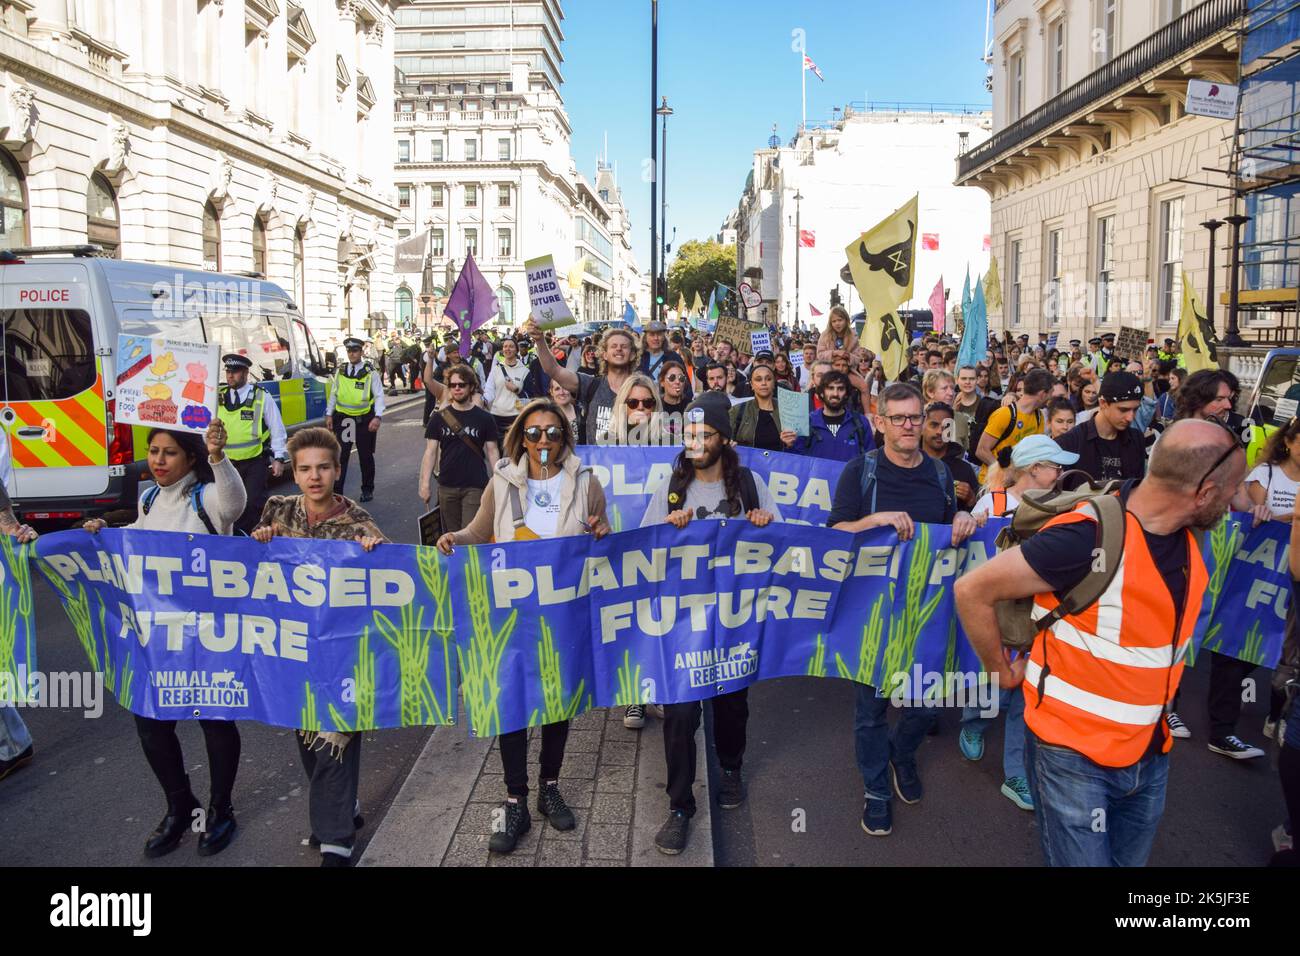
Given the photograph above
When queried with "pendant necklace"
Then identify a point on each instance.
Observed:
(543, 497)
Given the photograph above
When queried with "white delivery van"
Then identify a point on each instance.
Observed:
(62, 310)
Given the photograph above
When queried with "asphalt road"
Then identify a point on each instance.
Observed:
(799, 766)
(89, 798)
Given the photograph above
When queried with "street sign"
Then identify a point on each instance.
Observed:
(1205, 98)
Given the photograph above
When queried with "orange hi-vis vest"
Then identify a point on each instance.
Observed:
(999, 504)
(1100, 682)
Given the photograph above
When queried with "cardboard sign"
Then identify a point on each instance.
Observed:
(736, 332)
(546, 296)
(760, 341)
(1130, 343)
(166, 382)
(793, 407)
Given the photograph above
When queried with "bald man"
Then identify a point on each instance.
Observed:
(1099, 682)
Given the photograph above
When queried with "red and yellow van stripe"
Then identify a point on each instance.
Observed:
(80, 435)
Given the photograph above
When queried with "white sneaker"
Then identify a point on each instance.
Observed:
(1176, 726)
(1235, 748)
(1270, 729)
(1281, 839)
(634, 718)
(655, 710)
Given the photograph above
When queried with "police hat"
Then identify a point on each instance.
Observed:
(1169, 341)
(235, 363)
(1108, 335)
(1075, 343)
(353, 343)
(1095, 340)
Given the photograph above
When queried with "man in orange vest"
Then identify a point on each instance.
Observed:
(1098, 683)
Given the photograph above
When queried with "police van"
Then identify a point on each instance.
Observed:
(63, 309)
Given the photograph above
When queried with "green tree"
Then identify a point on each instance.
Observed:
(697, 267)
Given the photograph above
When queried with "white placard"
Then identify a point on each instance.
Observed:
(750, 296)
(167, 382)
(760, 342)
(796, 359)
(1205, 98)
(546, 296)
(1285, 411)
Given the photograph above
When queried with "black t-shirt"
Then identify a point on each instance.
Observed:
(766, 435)
(913, 490)
(1063, 556)
(461, 468)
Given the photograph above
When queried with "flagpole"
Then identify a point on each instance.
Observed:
(803, 79)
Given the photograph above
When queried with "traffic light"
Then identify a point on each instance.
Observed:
(661, 290)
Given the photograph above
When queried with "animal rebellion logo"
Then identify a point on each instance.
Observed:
(890, 335)
(1202, 340)
(895, 261)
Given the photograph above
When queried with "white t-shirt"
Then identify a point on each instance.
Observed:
(985, 505)
(1279, 490)
(542, 511)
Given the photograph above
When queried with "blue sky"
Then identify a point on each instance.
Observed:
(729, 73)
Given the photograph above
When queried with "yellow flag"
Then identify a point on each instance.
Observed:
(681, 304)
(698, 305)
(993, 285)
(886, 336)
(575, 274)
(1196, 337)
(880, 260)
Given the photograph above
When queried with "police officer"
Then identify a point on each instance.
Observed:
(255, 435)
(355, 409)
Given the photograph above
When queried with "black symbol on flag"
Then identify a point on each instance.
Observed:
(895, 261)
(889, 337)
(1207, 337)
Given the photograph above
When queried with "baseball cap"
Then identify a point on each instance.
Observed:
(1036, 448)
(1121, 387)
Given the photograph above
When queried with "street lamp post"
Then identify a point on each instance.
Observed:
(1233, 338)
(664, 111)
(1213, 226)
(426, 291)
(501, 284)
(798, 246)
(654, 159)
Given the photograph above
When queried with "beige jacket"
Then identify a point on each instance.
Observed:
(495, 520)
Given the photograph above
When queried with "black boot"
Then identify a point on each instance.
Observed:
(220, 829)
(180, 816)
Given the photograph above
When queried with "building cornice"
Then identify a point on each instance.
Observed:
(38, 67)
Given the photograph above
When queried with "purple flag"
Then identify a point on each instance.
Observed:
(472, 303)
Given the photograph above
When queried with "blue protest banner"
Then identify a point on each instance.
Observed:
(802, 487)
(17, 622)
(299, 633)
(1243, 612)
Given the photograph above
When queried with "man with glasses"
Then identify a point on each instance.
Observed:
(1098, 686)
(470, 446)
(697, 491)
(355, 409)
(1107, 446)
(898, 486)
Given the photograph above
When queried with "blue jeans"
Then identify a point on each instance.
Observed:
(14, 738)
(876, 746)
(1090, 815)
(1011, 703)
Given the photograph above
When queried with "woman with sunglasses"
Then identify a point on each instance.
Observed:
(590, 363)
(636, 412)
(674, 396)
(565, 401)
(540, 489)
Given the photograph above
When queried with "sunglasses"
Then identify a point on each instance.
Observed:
(1237, 443)
(458, 385)
(674, 378)
(534, 434)
(644, 404)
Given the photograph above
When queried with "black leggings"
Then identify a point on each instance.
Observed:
(163, 751)
(514, 756)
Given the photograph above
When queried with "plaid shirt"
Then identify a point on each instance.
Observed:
(289, 512)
